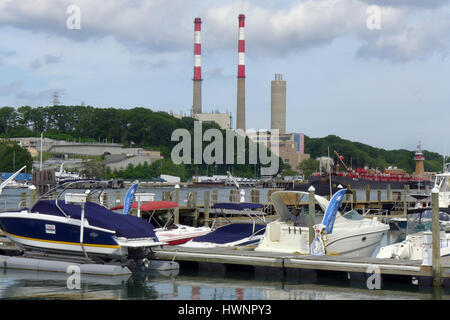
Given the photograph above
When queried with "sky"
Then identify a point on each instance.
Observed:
(372, 71)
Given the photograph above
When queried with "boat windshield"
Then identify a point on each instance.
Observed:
(442, 182)
(445, 186)
(352, 215)
(422, 221)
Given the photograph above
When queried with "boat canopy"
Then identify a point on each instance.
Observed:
(281, 199)
(151, 205)
(231, 233)
(127, 226)
(237, 206)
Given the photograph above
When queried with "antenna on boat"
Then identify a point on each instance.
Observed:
(11, 178)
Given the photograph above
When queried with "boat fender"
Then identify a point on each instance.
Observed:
(317, 245)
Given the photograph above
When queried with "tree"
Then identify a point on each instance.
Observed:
(13, 157)
(308, 166)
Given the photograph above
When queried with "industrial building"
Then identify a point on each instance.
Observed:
(222, 119)
(290, 146)
(278, 104)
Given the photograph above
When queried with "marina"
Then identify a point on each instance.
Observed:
(149, 167)
(283, 266)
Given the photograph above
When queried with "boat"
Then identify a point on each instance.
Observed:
(168, 231)
(65, 175)
(233, 234)
(360, 178)
(442, 182)
(418, 222)
(346, 234)
(17, 180)
(79, 227)
(423, 200)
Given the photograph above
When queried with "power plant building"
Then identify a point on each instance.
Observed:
(278, 104)
(288, 146)
(222, 119)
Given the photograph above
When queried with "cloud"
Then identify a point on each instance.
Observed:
(8, 89)
(39, 96)
(272, 28)
(412, 3)
(45, 60)
(215, 73)
(417, 40)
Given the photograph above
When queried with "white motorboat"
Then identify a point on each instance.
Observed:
(412, 248)
(66, 175)
(348, 234)
(442, 182)
(168, 231)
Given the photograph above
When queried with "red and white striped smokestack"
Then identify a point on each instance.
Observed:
(240, 107)
(197, 94)
(197, 49)
(241, 47)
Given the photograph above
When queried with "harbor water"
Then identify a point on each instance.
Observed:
(193, 283)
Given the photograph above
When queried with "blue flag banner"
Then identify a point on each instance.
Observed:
(330, 213)
(129, 197)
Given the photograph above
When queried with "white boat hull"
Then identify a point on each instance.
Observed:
(181, 234)
(348, 242)
(412, 248)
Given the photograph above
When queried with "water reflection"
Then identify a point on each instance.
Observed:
(206, 284)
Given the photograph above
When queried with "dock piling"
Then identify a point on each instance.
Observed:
(436, 268)
(176, 217)
(312, 213)
(206, 205)
(405, 200)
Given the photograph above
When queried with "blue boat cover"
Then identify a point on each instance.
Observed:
(231, 233)
(126, 226)
(237, 206)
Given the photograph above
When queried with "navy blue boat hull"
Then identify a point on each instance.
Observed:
(58, 236)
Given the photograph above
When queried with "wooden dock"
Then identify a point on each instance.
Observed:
(359, 268)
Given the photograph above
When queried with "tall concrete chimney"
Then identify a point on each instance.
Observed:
(197, 80)
(240, 112)
(278, 104)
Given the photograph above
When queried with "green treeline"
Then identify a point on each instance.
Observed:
(357, 154)
(152, 130)
(136, 127)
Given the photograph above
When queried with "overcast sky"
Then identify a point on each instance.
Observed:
(388, 87)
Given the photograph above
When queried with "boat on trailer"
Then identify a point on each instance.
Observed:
(234, 233)
(77, 227)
